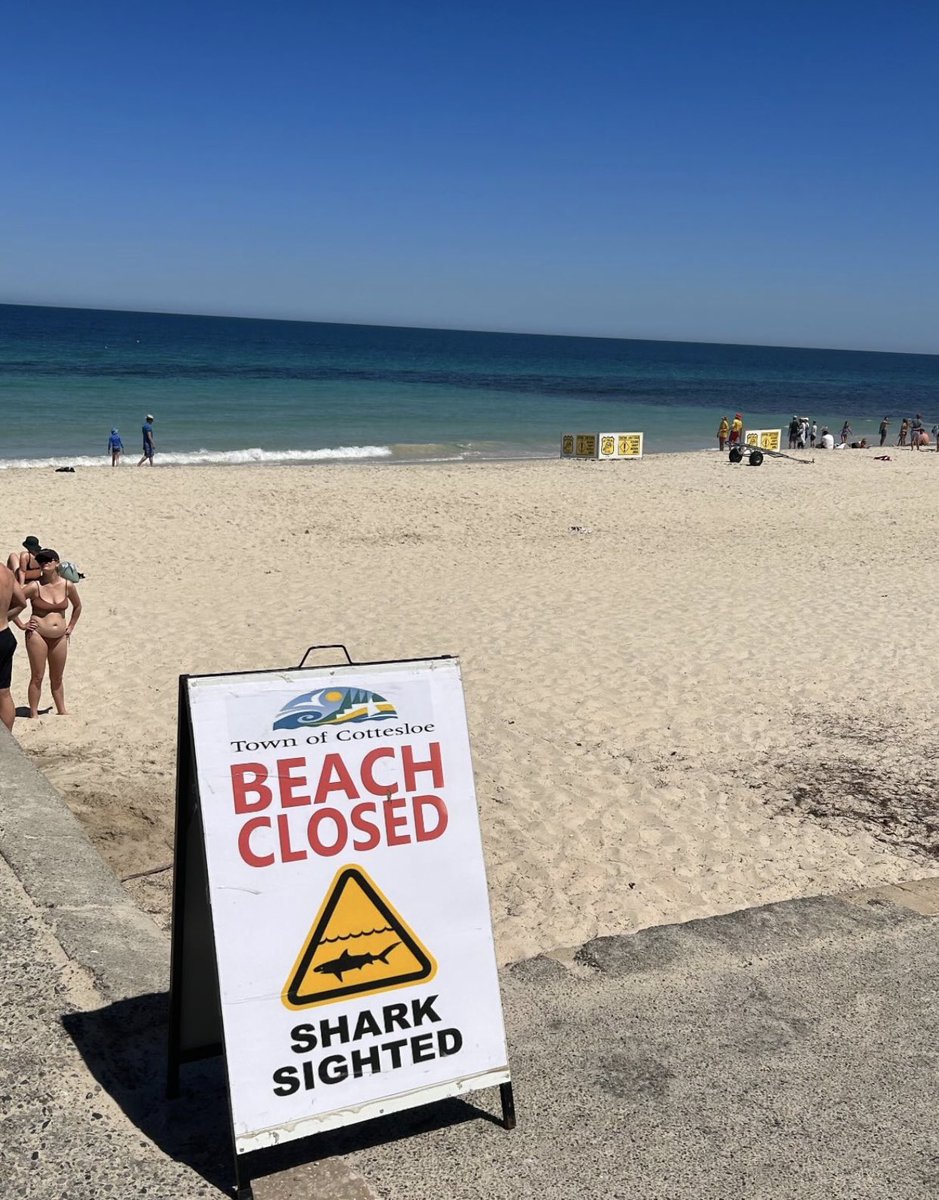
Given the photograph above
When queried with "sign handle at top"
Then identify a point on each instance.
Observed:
(336, 646)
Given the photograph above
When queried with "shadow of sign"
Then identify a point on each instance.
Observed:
(124, 1047)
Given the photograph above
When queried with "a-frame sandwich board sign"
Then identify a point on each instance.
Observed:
(331, 926)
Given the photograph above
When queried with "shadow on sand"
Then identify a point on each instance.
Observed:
(124, 1047)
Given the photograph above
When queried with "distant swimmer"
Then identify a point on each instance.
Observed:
(148, 443)
(352, 962)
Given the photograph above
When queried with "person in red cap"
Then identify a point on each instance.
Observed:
(736, 429)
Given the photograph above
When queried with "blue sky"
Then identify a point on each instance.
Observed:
(713, 172)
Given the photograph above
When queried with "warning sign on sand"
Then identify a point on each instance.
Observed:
(331, 876)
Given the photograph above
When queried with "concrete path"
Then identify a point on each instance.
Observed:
(782, 1053)
(785, 1053)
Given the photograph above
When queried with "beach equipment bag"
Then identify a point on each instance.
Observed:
(69, 571)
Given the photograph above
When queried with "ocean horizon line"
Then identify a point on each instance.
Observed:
(509, 333)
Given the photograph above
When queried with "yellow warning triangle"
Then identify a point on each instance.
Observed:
(358, 944)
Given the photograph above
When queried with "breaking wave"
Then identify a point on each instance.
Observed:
(209, 457)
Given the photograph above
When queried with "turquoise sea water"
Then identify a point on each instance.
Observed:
(238, 390)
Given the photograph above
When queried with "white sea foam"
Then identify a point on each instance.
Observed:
(210, 457)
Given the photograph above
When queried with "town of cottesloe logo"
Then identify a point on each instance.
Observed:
(334, 706)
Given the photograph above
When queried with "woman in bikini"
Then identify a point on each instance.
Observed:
(23, 563)
(47, 630)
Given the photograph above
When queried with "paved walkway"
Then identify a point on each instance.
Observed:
(782, 1053)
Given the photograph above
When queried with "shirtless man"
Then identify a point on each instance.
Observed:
(12, 603)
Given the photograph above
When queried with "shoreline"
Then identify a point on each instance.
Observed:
(688, 687)
(328, 458)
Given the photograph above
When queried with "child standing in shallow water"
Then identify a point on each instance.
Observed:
(116, 447)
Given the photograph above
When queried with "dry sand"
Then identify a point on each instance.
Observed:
(692, 687)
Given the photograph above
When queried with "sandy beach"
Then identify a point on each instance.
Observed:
(691, 687)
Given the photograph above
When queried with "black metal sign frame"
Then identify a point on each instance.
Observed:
(195, 1016)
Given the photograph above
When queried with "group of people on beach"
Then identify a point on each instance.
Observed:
(116, 444)
(804, 435)
(914, 430)
(729, 433)
(31, 578)
(802, 432)
(36, 579)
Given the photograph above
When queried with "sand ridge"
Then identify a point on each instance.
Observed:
(691, 686)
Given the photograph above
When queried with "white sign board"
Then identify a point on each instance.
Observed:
(350, 912)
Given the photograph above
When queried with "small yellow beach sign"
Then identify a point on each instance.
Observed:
(601, 446)
(765, 439)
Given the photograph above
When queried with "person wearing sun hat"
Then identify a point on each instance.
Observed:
(115, 447)
(23, 562)
(148, 443)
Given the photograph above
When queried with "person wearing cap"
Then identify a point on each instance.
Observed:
(736, 429)
(148, 446)
(23, 562)
(115, 447)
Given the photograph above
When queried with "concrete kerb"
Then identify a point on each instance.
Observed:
(100, 928)
(92, 916)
